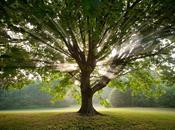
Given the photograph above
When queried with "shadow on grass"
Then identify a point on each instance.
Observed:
(58, 121)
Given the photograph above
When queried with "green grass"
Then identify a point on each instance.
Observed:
(113, 119)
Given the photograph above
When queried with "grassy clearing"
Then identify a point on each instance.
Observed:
(113, 119)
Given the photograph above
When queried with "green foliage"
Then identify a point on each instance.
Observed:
(142, 80)
(102, 97)
(14, 59)
(105, 103)
(57, 85)
(74, 93)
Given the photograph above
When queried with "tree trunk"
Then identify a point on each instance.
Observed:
(86, 103)
(86, 96)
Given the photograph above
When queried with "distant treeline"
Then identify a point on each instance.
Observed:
(27, 97)
(125, 99)
(32, 97)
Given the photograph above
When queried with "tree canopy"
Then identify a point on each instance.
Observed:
(92, 41)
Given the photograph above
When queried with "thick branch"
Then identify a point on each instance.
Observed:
(160, 51)
(105, 79)
(101, 84)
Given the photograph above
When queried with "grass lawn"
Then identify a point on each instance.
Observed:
(113, 119)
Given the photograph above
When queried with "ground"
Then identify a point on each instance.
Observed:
(113, 119)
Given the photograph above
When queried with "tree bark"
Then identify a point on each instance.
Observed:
(86, 97)
(87, 103)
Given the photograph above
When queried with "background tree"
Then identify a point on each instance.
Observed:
(92, 41)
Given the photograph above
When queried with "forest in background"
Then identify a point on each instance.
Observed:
(33, 97)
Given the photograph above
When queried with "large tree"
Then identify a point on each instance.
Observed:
(93, 41)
